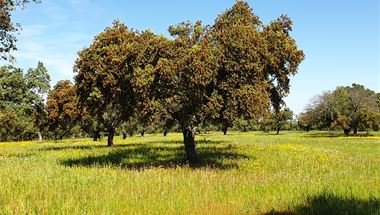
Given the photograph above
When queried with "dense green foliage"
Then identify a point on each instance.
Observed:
(213, 74)
(62, 108)
(22, 102)
(352, 108)
(238, 173)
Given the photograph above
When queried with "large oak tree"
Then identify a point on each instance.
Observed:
(201, 74)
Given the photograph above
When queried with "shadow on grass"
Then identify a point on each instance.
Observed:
(83, 147)
(335, 134)
(120, 145)
(329, 204)
(145, 156)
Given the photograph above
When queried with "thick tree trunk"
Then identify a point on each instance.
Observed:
(189, 141)
(224, 129)
(346, 131)
(39, 136)
(111, 134)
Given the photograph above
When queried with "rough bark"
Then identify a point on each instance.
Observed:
(189, 141)
(111, 134)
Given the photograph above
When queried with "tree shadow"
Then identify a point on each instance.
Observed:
(83, 147)
(335, 134)
(146, 156)
(324, 134)
(121, 145)
(329, 204)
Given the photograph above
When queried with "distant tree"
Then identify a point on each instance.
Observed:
(349, 108)
(280, 118)
(89, 124)
(130, 127)
(62, 106)
(15, 97)
(306, 121)
(241, 124)
(9, 29)
(38, 84)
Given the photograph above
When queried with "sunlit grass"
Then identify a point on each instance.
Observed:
(240, 173)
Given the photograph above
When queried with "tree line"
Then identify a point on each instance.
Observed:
(349, 108)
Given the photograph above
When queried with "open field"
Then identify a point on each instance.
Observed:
(240, 173)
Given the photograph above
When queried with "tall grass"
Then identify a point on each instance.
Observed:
(240, 173)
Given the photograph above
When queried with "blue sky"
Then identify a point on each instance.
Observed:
(340, 38)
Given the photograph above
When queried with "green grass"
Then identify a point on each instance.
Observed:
(240, 173)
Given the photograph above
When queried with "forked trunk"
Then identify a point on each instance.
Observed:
(111, 134)
(189, 141)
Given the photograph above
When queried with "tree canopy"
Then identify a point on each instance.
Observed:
(9, 29)
(214, 74)
(350, 108)
(22, 100)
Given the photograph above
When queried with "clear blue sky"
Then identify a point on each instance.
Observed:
(340, 38)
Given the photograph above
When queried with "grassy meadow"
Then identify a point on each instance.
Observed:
(240, 173)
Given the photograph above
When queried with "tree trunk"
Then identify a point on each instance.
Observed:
(96, 135)
(189, 141)
(124, 135)
(142, 133)
(39, 136)
(111, 134)
(224, 129)
(346, 131)
(278, 130)
(165, 133)
(355, 131)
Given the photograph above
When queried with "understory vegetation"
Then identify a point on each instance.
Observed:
(237, 173)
